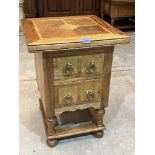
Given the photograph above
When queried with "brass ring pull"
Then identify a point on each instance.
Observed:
(68, 68)
(91, 67)
(90, 95)
(68, 98)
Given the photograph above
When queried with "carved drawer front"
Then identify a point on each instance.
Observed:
(92, 64)
(65, 67)
(65, 96)
(78, 95)
(91, 91)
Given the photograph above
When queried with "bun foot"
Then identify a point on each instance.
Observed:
(98, 134)
(52, 143)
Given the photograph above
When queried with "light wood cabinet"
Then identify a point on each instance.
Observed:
(73, 72)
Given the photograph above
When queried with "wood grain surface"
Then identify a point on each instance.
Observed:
(44, 33)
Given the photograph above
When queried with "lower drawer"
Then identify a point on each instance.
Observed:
(80, 94)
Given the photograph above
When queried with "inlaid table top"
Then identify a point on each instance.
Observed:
(54, 33)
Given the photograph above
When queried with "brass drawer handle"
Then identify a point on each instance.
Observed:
(90, 95)
(68, 98)
(91, 67)
(68, 68)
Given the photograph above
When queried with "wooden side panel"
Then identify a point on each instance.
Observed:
(48, 82)
(43, 67)
(40, 76)
(108, 57)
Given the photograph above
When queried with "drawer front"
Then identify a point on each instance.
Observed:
(91, 91)
(92, 64)
(78, 93)
(65, 67)
(67, 96)
(123, 10)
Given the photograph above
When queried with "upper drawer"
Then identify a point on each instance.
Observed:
(78, 66)
(65, 67)
(92, 64)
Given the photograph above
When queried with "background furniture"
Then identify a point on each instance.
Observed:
(115, 9)
(73, 60)
(68, 7)
(118, 9)
(45, 8)
(30, 8)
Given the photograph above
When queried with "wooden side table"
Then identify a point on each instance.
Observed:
(73, 59)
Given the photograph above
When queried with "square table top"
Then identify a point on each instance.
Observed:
(56, 33)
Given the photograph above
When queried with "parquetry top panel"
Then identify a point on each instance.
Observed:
(64, 30)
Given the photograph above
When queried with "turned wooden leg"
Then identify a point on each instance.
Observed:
(112, 21)
(99, 117)
(51, 123)
(99, 123)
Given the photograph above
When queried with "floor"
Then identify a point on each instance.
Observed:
(119, 118)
